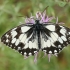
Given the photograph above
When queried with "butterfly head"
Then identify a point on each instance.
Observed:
(37, 21)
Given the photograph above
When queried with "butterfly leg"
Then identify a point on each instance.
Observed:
(49, 56)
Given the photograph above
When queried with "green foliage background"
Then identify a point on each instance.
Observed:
(10, 12)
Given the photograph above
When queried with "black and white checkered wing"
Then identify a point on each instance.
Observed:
(54, 38)
(21, 38)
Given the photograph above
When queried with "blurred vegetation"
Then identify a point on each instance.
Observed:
(10, 10)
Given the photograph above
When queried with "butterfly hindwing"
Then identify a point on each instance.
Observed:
(54, 38)
(21, 38)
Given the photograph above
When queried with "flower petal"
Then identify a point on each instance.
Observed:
(49, 55)
(29, 20)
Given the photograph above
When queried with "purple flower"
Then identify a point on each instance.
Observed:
(29, 20)
(40, 16)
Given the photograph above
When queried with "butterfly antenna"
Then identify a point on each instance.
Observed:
(45, 9)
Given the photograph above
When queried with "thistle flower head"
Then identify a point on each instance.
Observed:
(42, 17)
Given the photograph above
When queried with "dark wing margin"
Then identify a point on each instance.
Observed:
(54, 38)
(21, 38)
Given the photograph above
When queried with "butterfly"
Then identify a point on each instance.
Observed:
(28, 39)
(37, 34)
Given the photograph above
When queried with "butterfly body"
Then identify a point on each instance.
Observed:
(38, 27)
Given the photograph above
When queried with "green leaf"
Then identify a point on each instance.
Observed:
(62, 3)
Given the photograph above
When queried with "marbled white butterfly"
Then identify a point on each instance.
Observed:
(37, 35)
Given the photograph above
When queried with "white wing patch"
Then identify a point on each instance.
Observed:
(7, 35)
(17, 42)
(35, 44)
(54, 36)
(25, 29)
(23, 38)
(26, 46)
(7, 40)
(63, 31)
(60, 40)
(50, 27)
(30, 45)
(13, 33)
(64, 38)
(13, 41)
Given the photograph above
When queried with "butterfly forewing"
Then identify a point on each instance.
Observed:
(22, 38)
(54, 38)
